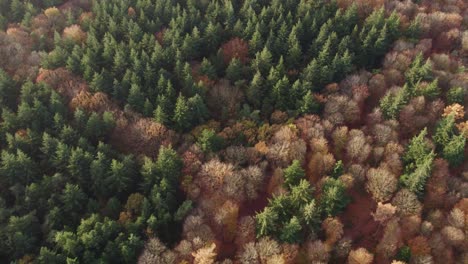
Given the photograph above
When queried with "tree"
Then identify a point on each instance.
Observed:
(235, 48)
(255, 91)
(381, 184)
(136, 98)
(182, 115)
(266, 222)
(280, 94)
(160, 116)
(234, 70)
(73, 198)
(456, 95)
(419, 70)
(454, 151)
(292, 231)
(198, 109)
(293, 174)
(445, 130)
(333, 199)
(22, 234)
(120, 175)
(263, 61)
(308, 104)
(169, 164)
(209, 141)
(207, 68)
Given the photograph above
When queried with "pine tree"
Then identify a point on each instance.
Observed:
(454, 151)
(415, 180)
(209, 141)
(308, 104)
(255, 91)
(263, 61)
(206, 68)
(266, 222)
(198, 109)
(148, 108)
(293, 174)
(281, 95)
(136, 98)
(444, 132)
(419, 70)
(160, 116)
(333, 199)
(182, 115)
(291, 231)
(74, 60)
(234, 70)
(294, 55)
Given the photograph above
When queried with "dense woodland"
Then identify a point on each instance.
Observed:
(234, 131)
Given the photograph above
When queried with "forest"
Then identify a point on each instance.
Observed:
(234, 131)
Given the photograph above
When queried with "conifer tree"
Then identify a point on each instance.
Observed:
(182, 115)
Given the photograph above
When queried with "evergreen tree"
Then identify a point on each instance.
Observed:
(454, 151)
(182, 115)
(234, 70)
(292, 231)
(308, 104)
(160, 116)
(333, 199)
(293, 174)
(136, 98)
(209, 141)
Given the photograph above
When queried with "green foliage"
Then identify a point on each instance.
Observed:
(454, 151)
(448, 142)
(209, 141)
(182, 114)
(320, 43)
(419, 70)
(293, 174)
(392, 103)
(418, 160)
(404, 254)
(338, 169)
(334, 198)
(456, 95)
(66, 187)
(292, 231)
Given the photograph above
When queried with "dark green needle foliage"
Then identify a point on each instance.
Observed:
(130, 55)
(68, 196)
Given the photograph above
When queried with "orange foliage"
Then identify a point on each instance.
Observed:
(235, 48)
(419, 246)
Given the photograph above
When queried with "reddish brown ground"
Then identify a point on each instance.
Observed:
(359, 224)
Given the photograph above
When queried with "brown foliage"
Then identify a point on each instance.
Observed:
(156, 252)
(384, 212)
(224, 99)
(381, 184)
(235, 48)
(357, 149)
(390, 241)
(205, 255)
(407, 203)
(341, 109)
(360, 256)
(75, 33)
(64, 82)
(333, 230)
(419, 246)
(436, 186)
(226, 217)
